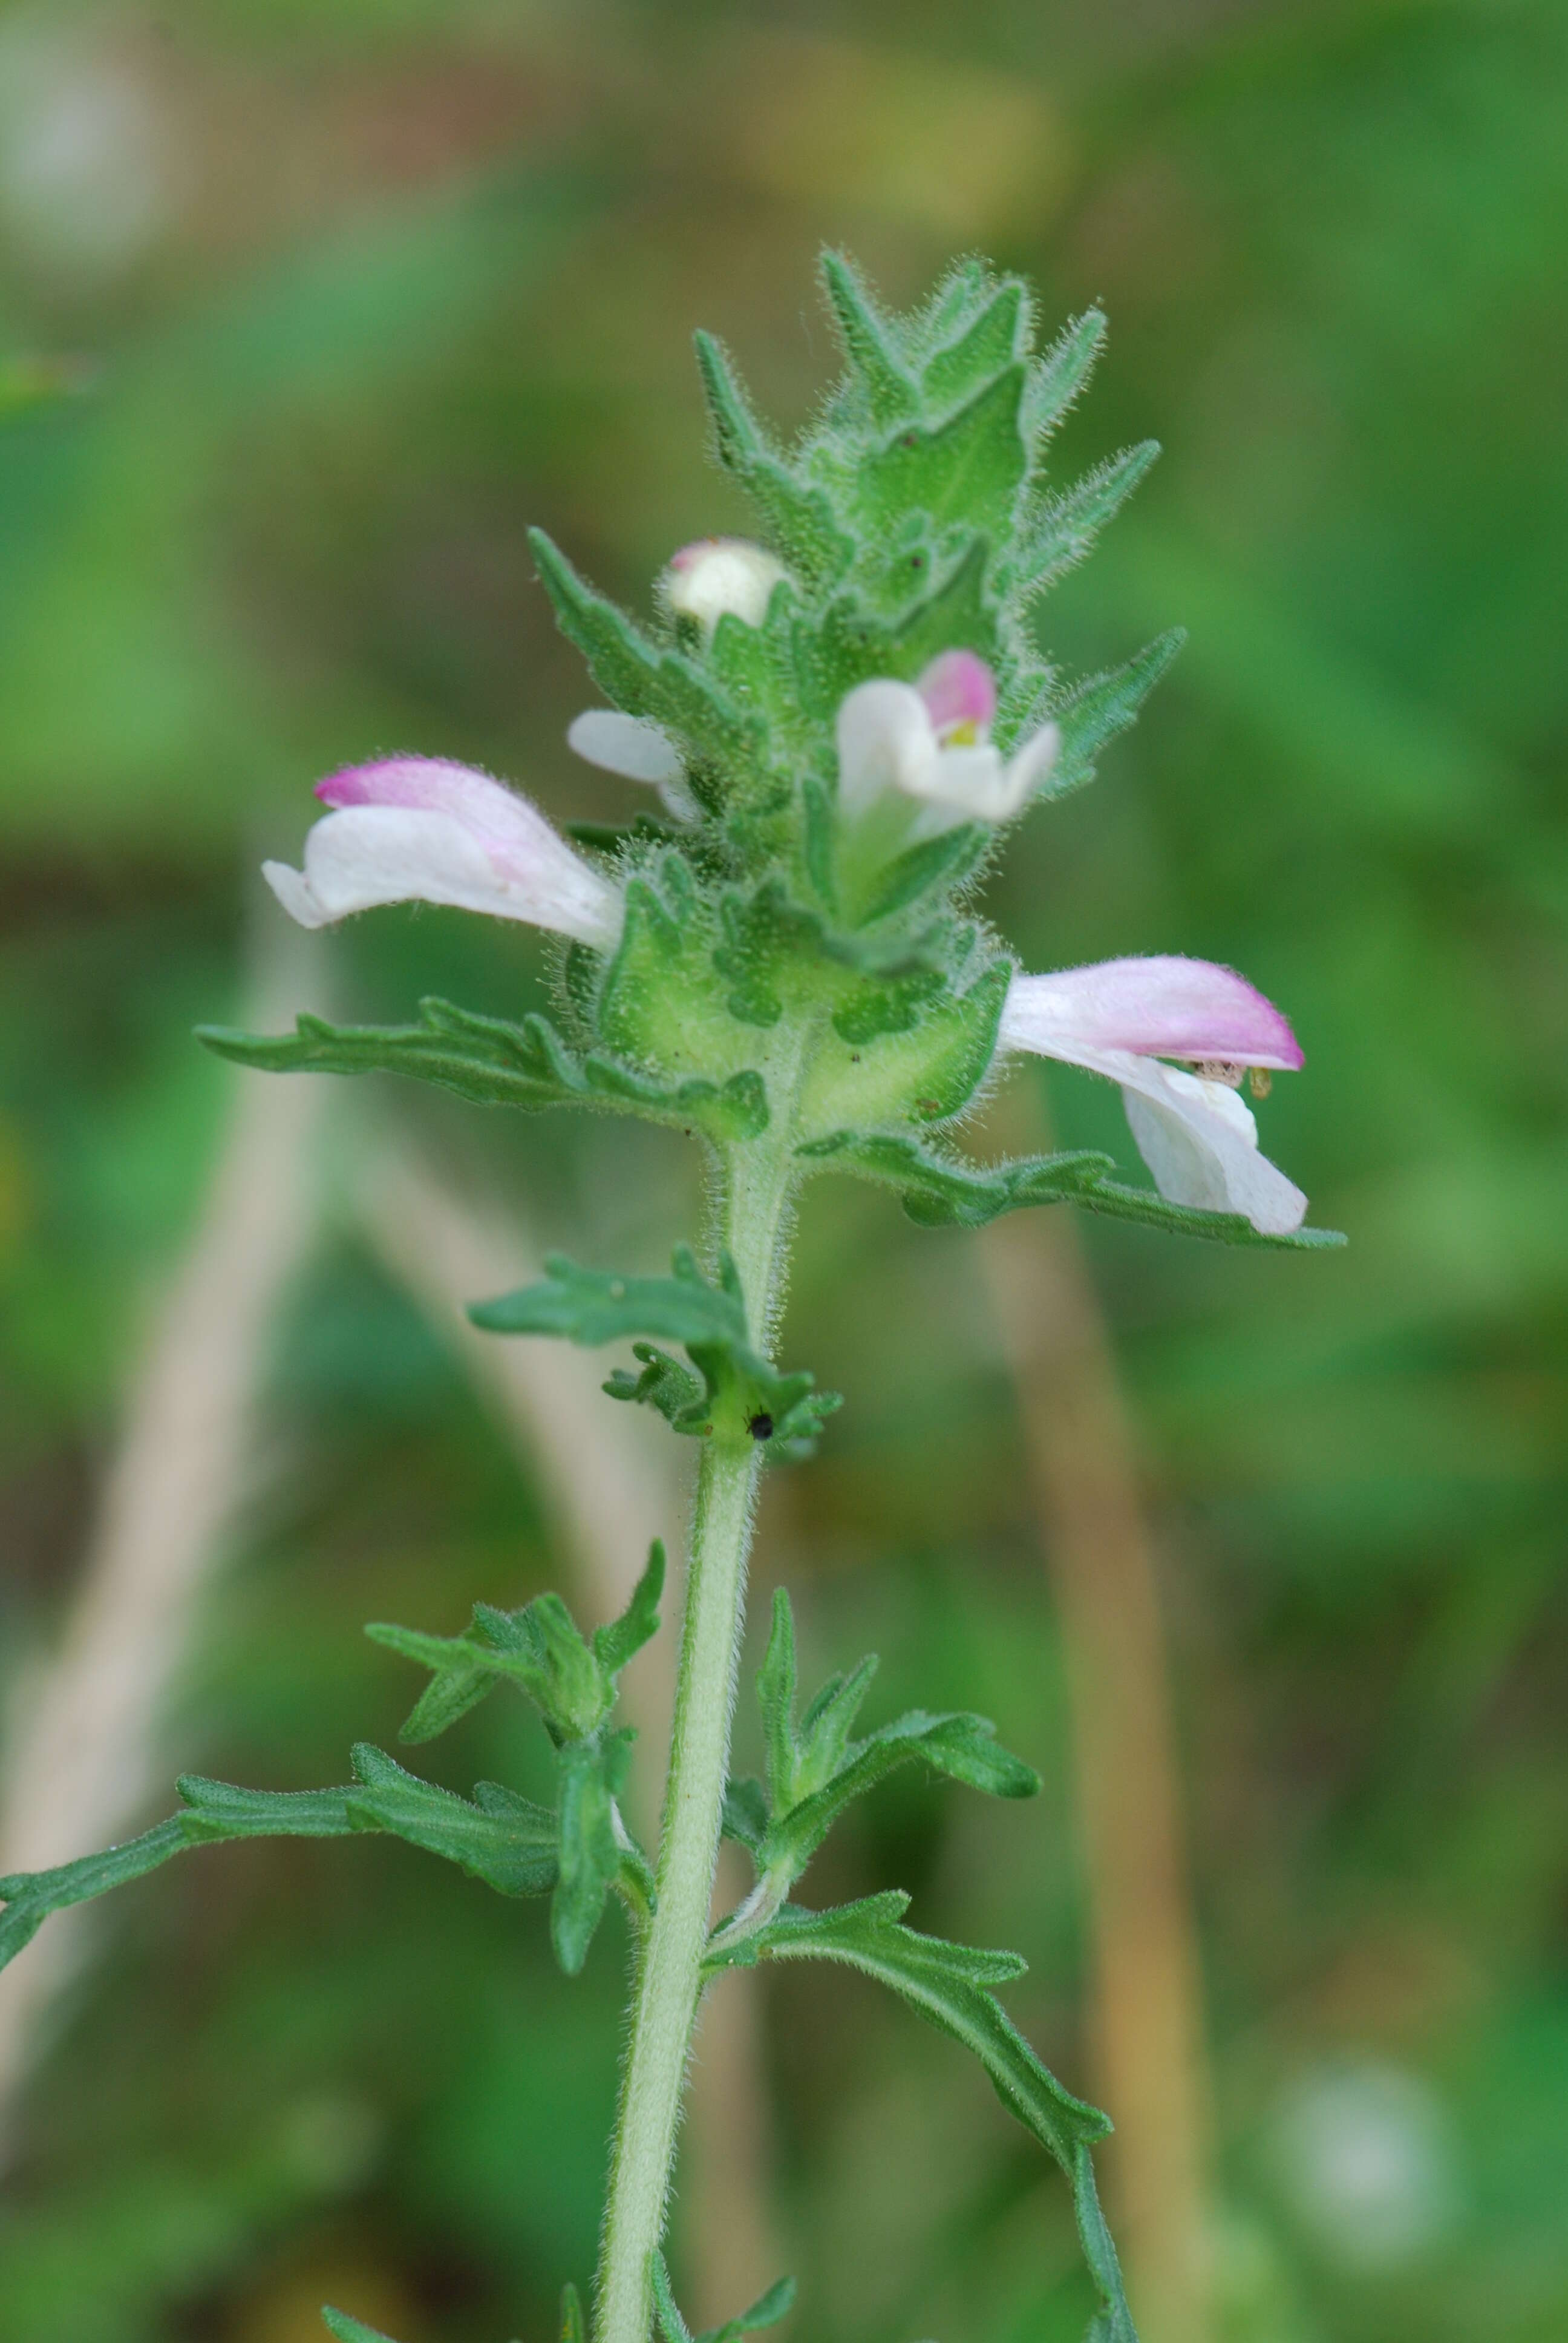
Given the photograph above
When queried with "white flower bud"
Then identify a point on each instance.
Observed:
(720, 574)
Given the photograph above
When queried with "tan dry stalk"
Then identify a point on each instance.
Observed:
(1147, 2026)
(83, 1755)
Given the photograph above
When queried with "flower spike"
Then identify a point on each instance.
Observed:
(1197, 1136)
(420, 829)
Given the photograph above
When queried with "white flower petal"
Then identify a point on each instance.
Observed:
(885, 742)
(293, 891)
(621, 744)
(1199, 1140)
(1030, 762)
(372, 854)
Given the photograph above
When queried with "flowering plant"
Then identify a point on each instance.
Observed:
(836, 727)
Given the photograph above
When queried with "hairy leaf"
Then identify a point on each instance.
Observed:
(766, 2311)
(483, 1058)
(876, 364)
(503, 1839)
(1065, 532)
(592, 1773)
(1057, 379)
(950, 1986)
(740, 1392)
(491, 1062)
(1097, 709)
(574, 2327)
(940, 1191)
(351, 2330)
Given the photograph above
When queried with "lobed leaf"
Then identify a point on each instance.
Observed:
(990, 341)
(941, 1191)
(483, 1058)
(767, 2311)
(741, 1391)
(492, 1062)
(961, 1746)
(799, 518)
(950, 1986)
(503, 1839)
(965, 471)
(814, 1769)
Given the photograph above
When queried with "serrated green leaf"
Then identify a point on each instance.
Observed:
(942, 1190)
(948, 1986)
(876, 365)
(514, 1853)
(742, 1394)
(619, 1641)
(351, 2330)
(828, 1721)
(1066, 530)
(959, 1746)
(797, 517)
(483, 1058)
(1095, 710)
(1143, 1205)
(663, 1383)
(504, 1840)
(595, 1306)
(538, 1648)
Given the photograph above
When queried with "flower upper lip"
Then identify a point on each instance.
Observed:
(421, 829)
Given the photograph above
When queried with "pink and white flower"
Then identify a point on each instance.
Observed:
(420, 829)
(930, 740)
(1121, 1018)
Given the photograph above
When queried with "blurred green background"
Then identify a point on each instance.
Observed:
(343, 294)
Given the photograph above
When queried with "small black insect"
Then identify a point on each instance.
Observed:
(761, 1427)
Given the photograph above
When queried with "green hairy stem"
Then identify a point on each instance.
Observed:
(752, 1213)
